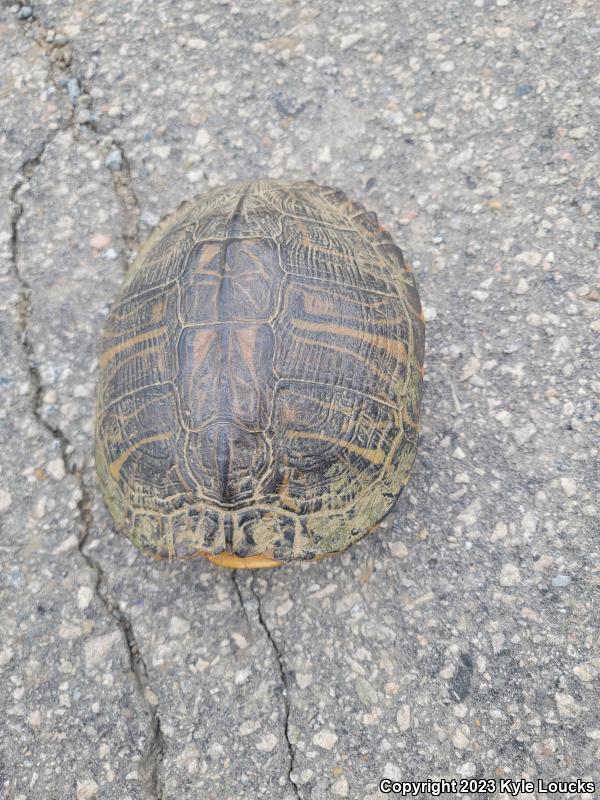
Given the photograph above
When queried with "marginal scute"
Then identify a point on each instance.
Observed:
(260, 378)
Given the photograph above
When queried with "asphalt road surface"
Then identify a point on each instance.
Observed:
(461, 640)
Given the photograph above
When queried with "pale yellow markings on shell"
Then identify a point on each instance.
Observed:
(336, 348)
(118, 348)
(343, 284)
(394, 347)
(209, 251)
(375, 455)
(118, 366)
(115, 466)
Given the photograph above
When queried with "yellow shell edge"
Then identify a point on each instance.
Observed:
(237, 562)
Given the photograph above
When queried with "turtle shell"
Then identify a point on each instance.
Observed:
(260, 378)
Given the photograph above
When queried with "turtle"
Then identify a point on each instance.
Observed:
(260, 378)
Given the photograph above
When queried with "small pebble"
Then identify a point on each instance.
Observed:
(303, 679)
(84, 597)
(578, 133)
(35, 719)
(522, 286)
(460, 739)
(223, 87)
(569, 486)
(436, 123)
(5, 500)
(242, 675)
(267, 744)
(561, 581)
(114, 159)
(529, 257)
(202, 138)
(510, 575)
(325, 739)
(403, 717)
(340, 788)
(87, 790)
(429, 312)
(179, 626)
(350, 40)
(100, 240)
(56, 469)
(324, 155)
(25, 12)
(195, 44)
(74, 90)
(524, 434)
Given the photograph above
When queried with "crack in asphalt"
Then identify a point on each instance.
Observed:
(283, 678)
(60, 56)
(154, 751)
(151, 761)
(130, 206)
(240, 596)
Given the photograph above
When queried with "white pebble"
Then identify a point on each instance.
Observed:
(349, 40)
(500, 531)
(524, 434)
(460, 739)
(403, 717)
(223, 87)
(87, 790)
(179, 626)
(529, 257)
(84, 597)
(324, 155)
(569, 486)
(303, 679)
(429, 312)
(56, 469)
(529, 523)
(436, 123)
(35, 718)
(578, 133)
(202, 138)
(340, 788)
(522, 286)
(510, 575)
(5, 500)
(267, 744)
(325, 739)
(242, 675)
(534, 320)
(196, 44)
(249, 726)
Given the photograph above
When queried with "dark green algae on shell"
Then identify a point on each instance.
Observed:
(260, 378)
